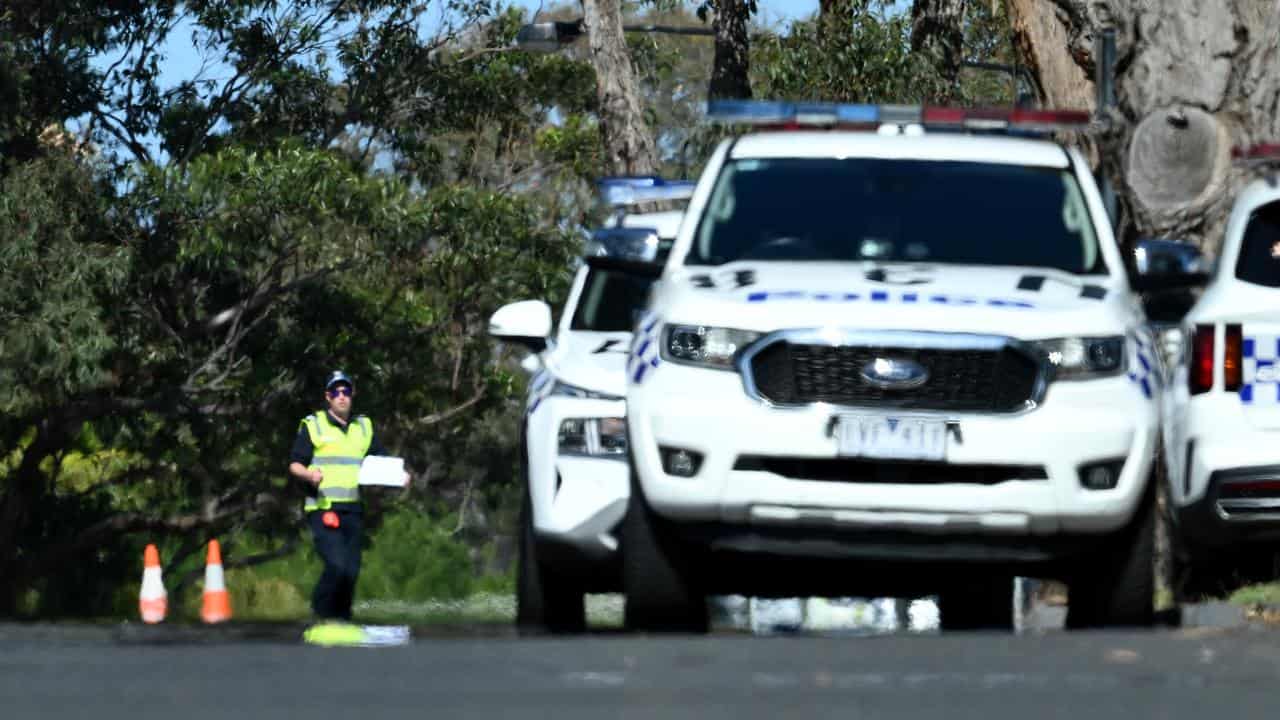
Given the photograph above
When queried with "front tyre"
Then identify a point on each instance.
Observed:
(661, 593)
(1116, 586)
(546, 602)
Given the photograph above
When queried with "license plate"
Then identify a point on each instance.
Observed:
(891, 438)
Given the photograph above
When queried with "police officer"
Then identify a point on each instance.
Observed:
(326, 455)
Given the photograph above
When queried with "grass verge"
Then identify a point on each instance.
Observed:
(1260, 594)
(497, 608)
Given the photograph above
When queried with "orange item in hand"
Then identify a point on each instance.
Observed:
(330, 519)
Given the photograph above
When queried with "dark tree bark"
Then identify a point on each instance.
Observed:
(730, 72)
(629, 145)
(1195, 77)
(937, 29)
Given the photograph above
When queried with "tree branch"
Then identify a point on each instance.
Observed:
(443, 415)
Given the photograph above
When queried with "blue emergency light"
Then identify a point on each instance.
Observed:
(632, 190)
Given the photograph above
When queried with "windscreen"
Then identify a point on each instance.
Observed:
(820, 209)
(610, 301)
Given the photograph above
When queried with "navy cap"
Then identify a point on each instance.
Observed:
(338, 377)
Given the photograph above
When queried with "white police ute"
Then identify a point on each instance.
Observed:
(893, 351)
(1223, 423)
(574, 439)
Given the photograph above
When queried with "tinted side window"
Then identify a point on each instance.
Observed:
(610, 301)
(1259, 261)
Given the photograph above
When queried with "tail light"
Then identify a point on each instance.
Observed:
(1233, 359)
(1201, 371)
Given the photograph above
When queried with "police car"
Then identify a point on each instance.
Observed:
(893, 351)
(574, 440)
(1223, 423)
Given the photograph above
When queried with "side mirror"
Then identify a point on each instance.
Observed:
(527, 322)
(1166, 272)
(631, 250)
(1162, 265)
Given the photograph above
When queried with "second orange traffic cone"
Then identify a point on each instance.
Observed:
(217, 604)
(153, 601)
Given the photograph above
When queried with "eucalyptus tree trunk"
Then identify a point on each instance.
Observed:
(628, 143)
(1195, 77)
(730, 72)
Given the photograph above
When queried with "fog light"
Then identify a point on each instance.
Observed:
(680, 462)
(1101, 475)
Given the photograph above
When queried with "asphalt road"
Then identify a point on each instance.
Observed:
(239, 674)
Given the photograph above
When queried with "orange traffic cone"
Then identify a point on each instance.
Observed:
(153, 601)
(217, 604)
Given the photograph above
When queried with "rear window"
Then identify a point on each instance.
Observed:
(1259, 261)
(821, 209)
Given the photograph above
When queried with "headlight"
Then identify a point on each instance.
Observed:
(1084, 358)
(599, 437)
(711, 347)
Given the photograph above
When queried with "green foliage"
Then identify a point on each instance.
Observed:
(1266, 594)
(415, 557)
(247, 274)
(63, 263)
(254, 597)
(988, 38)
(409, 557)
(861, 52)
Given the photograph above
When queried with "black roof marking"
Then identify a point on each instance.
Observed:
(702, 281)
(881, 276)
(1031, 282)
(1093, 292)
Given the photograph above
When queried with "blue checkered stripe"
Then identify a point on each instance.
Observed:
(543, 384)
(644, 357)
(1261, 384)
(1142, 365)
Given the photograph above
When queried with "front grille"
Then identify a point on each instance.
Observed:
(977, 380)
(855, 470)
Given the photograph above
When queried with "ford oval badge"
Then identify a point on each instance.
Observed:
(894, 374)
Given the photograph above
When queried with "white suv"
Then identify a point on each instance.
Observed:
(1223, 424)
(905, 361)
(573, 438)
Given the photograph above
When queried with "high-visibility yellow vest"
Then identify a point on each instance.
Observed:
(338, 455)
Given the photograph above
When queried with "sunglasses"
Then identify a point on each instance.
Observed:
(340, 391)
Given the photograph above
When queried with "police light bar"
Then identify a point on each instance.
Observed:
(633, 190)
(1260, 154)
(625, 243)
(805, 115)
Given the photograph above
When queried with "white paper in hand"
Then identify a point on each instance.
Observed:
(382, 470)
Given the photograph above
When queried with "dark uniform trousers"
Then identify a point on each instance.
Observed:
(340, 549)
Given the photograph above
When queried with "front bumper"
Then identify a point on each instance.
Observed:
(578, 501)
(1076, 424)
(791, 561)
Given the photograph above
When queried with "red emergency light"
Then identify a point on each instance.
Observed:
(1261, 151)
(1004, 118)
